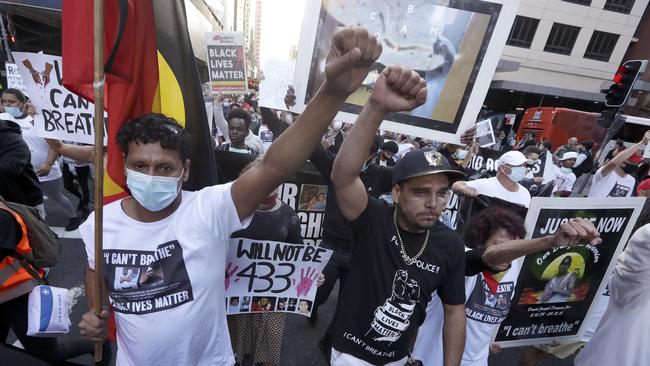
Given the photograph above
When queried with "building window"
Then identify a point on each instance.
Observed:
(619, 6)
(579, 2)
(561, 39)
(601, 46)
(522, 32)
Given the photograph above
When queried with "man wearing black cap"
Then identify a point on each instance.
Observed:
(400, 254)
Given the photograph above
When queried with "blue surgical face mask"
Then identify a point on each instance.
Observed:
(517, 173)
(14, 111)
(153, 193)
(461, 154)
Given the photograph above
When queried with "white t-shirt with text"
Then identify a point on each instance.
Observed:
(165, 279)
(564, 181)
(612, 185)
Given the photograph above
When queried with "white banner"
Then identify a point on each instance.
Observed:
(14, 80)
(267, 276)
(278, 75)
(60, 114)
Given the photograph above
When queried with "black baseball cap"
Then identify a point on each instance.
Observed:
(421, 162)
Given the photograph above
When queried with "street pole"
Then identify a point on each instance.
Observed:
(98, 89)
(10, 58)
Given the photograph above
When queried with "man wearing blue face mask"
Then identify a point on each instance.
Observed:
(175, 242)
(511, 168)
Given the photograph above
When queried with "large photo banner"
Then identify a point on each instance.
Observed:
(60, 114)
(226, 62)
(455, 45)
(557, 289)
(267, 276)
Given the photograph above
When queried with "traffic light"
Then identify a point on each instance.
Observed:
(624, 79)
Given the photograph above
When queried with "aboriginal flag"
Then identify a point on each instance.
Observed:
(150, 67)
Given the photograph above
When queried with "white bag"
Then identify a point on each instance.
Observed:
(48, 312)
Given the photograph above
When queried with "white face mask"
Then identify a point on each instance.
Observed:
(337, 125)
(153, 193)
(517, 173)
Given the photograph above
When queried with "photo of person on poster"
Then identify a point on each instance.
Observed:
(560, 287)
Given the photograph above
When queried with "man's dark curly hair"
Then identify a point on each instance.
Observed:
(480, 227)
(239, 113)
(151, 128)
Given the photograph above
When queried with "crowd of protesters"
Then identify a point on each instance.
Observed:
(392, 252)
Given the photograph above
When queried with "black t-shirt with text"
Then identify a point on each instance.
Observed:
(384, 301)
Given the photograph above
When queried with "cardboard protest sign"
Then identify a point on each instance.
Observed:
(278, 75)
(60, 114)
(455, 47)
(556, 289)
(268, 276)
(14, 79)
(485, 133)
(226, 62)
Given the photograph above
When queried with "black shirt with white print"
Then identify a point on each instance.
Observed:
(384, 301)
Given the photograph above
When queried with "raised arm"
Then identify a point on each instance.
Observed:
(573, 232)
(624, 155)
(353, 51)
(396, 89)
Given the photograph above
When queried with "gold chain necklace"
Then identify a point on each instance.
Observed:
(409, 261)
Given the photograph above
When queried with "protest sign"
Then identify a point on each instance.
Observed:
(485, 133)
(556, 289)
(510, 119)
(456, 48)
(226, 62)
(485, 161)
(60, 114)
(267, 276)
(306, 193)
(14, 79)
(278, 75)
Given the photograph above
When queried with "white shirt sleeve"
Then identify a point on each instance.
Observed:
(581, 158)
(87, 232)
(217, 210)
(631, 279)
(220, 121)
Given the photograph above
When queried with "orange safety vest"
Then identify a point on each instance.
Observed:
(14, 279)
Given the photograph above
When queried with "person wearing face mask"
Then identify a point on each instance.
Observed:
(43, 158)
(183, 320)
(564, 177)
(493, 243)
(613, 179)
(511, 168)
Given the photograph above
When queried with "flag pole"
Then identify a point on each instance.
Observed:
(98, 88)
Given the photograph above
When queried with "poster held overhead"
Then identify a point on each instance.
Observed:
(485, 133)
(60, 114)
(557, 290)
(14, 79)
(226, 62)
(456, 49)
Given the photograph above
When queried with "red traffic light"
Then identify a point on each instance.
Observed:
(624, 79)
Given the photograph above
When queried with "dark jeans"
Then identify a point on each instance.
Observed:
(13, 315)
(83, 172)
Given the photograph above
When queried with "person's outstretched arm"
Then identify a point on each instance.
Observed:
(76, 152)
(396, 89)
(624, 155)
(353, 51)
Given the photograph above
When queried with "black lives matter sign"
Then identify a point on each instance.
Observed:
(226, 62)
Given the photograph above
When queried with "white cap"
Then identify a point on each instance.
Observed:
(513, 158)
(569, 155)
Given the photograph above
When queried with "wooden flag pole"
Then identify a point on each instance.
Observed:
(98, 88)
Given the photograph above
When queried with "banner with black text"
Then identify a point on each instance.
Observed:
(268, 276)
